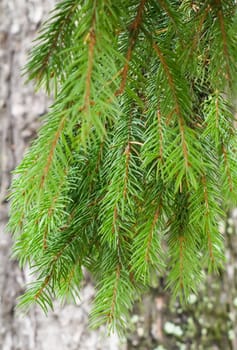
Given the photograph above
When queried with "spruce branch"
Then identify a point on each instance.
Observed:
(135, 163)
(134, 30)
(43, 64)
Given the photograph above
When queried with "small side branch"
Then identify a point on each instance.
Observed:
(54, 43)
(51, 151)
(134, 29)
(181, 262)
(217, 112)
(114, 296)
(128, 155)
(44, 285)
(199, 29)
(227, 167)
(91, 49)
(163, 4)
(47, 279)
(224, 38)
(51, 210)
(207, 213)
(160, 135)
(176, 101)
(115, 217)
(151, 233)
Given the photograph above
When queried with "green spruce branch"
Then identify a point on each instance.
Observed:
(134, 166)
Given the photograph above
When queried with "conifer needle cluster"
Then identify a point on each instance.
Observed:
(135, 164)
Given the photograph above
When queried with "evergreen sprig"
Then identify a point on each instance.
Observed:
(135, 164)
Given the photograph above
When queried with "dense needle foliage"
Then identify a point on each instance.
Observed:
(135, 164)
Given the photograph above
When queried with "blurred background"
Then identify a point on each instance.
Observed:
(209, 321)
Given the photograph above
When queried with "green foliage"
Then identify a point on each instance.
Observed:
(135, 163)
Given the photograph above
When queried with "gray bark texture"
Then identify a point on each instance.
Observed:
(208, 322)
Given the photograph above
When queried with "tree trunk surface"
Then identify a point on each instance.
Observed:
(207, 322)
